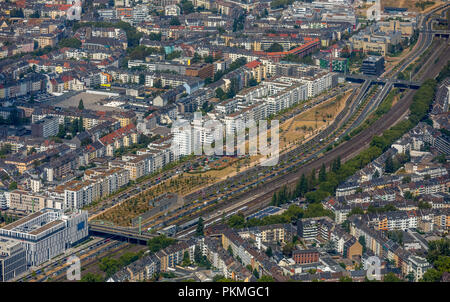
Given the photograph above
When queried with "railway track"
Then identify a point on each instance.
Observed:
(64, 265)
(302, 162)
(356, 111)
(300, 159)
(89, 261)
(361, 105)
(196, 203)
(348, 149)
(51, 264)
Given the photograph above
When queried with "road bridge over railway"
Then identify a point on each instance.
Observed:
(359, 78)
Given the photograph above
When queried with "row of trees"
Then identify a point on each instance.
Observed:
(233, 66)
(201, 260)
(305, 186)
(423, 4)
(174, 55)
(111, 265)
(187, 7)
(73, 127)
(439, 257)
(299, 59)
(422, 100)
(160, 242)
(70, 42)
(328, 181)
(281, 3)
(16, 13)
(5, 218)
(392, 164)
(372, 209)
(140, 52)
(445, 72)
(143, 142)
(275, 47)
(238, 23)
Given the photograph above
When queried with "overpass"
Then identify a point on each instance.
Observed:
(438, 33)
(360, 78)
(122, 233)
(406, 84)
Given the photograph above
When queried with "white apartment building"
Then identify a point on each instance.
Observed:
(110, 180)
(182, 137)
(227, 106)
(78, 194)
(287, 97)
(236, 55)
(172, 10)
(198, 134)
(4, 200)
(140, 13)
(403, 223)
(97, 183)
(418, 266)
(45, 127)
(253, 93)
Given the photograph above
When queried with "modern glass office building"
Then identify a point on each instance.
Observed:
(47, 233)
(13, 260)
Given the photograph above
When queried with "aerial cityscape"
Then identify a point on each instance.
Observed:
(224, 141)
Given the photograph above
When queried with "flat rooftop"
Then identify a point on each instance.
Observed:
(45, 227)
(22, 221)
(373, 59)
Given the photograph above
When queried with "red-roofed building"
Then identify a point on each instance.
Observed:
(20, 3)
(257, 69)
(310, 46)
(94, 150)
(55, 86)
(253, 64)
(123, 137)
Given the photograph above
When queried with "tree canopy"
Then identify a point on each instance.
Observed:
(275, 47)
(160, 242)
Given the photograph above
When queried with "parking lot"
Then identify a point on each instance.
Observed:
(40, 97)
(90, 101)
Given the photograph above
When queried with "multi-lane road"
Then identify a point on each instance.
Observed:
(250, 190)
(261, 196)
(263, 182)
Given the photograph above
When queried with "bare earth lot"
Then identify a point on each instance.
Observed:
(409, 4)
